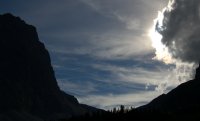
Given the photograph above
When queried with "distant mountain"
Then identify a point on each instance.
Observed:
(28, 87)
(183, 99)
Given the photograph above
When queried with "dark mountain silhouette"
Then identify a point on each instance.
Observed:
(184, 98)
(28, 88)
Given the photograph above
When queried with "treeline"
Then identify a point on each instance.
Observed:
(133, 114)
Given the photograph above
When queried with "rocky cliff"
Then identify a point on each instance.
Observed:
(27, 82)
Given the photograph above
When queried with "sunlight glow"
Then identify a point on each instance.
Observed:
(162, 52)
(181, 71)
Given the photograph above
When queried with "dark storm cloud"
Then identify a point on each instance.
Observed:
(181, 30)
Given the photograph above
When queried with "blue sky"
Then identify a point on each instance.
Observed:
(100, 49)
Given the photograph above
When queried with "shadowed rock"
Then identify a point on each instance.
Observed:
(27, 81)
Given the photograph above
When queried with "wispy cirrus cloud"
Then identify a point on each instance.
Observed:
(100, 49)
(114, 84)
(128, 12)
(77, 88)
(120, 30)
(110, 101)
(160, 78)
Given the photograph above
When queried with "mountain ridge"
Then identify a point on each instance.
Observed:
(183, 98)
(27, 80)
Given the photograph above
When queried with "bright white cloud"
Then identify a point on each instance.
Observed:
(184, 70)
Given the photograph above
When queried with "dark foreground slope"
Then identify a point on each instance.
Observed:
(28, 88)
(185, 98)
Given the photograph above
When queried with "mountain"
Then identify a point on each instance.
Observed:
(28, 87)
(183, 99)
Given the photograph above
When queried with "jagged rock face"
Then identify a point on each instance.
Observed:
(24, 65)
(27, 81)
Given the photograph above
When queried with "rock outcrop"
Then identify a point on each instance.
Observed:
(27, 81)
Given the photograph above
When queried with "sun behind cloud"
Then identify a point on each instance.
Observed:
(162, 52)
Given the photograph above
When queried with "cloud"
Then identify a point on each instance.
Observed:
(175, 37)
(131, 86)
(111, 85)
(122, 46)
(110, 101)
(106, 46)
(83, 34)
(66, 29)
(119, 27)
(158, 78)
(180, 29)
(133, 13)
(77, 88)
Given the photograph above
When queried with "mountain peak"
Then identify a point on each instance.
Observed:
(27, 80)
(197, 75)
(8, 18)
(8, 15)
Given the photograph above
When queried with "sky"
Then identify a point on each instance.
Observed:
(101, 50)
